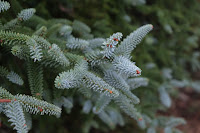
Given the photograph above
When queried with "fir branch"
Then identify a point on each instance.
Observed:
(106, 119)
(124, 66)
(87, 106)
(67, 80)
(116, 116)
(95, 58)
(115, 61)
(110, 44)
(11, 24)
(53, 30)
(15, 78)
(137, 82)
(11, 76)
(115, 80)
(101, 103)
(26, 14)
(96, 42)
(49, 62)
(28, 120)
(4, 5)
(32, 104)
(35, 78)
(56, 54)
(3, 71)
(128, 108)
(22, 52)
(142, 124)
(2, 107)
(85, 91)
(4, 94)
(74, 43)
(12, 38)
(42, 42)
(14, 111)
(67, 102)
(164, 96)
(41, 31)
(80, 63)
(65, 30)
(128, 44)
(36, 106)
(35, 50)
(133, 98)
(97, 84)
(173, 122)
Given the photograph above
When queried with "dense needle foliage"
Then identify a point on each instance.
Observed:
(69, 58)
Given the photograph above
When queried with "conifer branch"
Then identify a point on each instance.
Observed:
(137, 82)
(4, 5)
(128, 44)
(35, 78)
(57, 55)
(11, 76)
(31, 104)
(110, 44)
(128, 108)
(126, 67)
(97, 84)
(14, 111)
(74, 43)
(101, 103)
(26, 14)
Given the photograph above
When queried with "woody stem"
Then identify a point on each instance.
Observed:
(5, 100)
